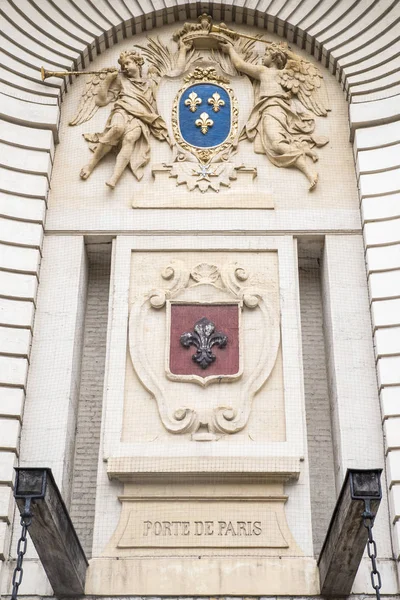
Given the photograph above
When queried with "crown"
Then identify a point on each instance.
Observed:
(199, 33)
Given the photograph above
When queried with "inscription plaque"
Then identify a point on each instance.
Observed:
(203, 528)
(191, 525)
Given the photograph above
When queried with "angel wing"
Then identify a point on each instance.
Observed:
(161, 59)
(87, 105)
(304, 79)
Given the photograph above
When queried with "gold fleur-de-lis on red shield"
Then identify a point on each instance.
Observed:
(216, 102)
(204, 122)
(193, 101)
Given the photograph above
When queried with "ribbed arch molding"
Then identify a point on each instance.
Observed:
(357, 40)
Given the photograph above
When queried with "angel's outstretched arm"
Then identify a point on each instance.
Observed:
(103, 96)
(181, 62)
(253, 71)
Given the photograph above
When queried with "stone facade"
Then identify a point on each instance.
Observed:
(342, 239)
(90, 394)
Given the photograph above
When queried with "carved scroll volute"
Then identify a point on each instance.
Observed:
(179, 275)
(183, 419)
(231, 281)
(225, 418)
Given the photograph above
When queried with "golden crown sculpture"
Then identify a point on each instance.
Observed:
(204, 34)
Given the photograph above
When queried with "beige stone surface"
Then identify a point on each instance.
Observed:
(151, 363)
(391, 429)
(360, 40)
(387, 341)
(386, 312)
(389, 370)
(216, 519)
(53, 385)
(203, 465)
(287, 188)
(385, 285)
(378, 208)
(21, 233)
(14, 134)
(36, 184)
(4, 539)
(383, 258)
(225, 522)
(8, 461)
(194, 222)
(15, 341)
(208, 576)
(358, 43)
(21, 208)
(376, 113)
(28, 161)
(347, 322)
(18, 285)
(226, 198)
(42, 116)
(19, 259)
(9, 434)
(134, 430)
(13, 370)
(18, 313)
(6, 503)
(237, 467)
(390, 402)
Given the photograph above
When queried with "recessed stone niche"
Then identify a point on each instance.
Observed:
(204, 433)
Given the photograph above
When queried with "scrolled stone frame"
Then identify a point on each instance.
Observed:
(116, 354)
(223, 419)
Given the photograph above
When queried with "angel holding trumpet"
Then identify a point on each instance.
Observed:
(277, 128)
(133, 117)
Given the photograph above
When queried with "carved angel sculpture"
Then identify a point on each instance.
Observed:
(133, 116)
(279, 130)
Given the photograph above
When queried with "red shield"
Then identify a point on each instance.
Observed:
(204, 339)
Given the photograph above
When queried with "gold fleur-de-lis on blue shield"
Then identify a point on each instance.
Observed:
(193, 101)
(204, 122)
(216, 102)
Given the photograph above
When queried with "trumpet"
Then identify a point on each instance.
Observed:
(217, 29)
(45, 74)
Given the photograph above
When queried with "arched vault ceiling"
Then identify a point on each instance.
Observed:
(359, 41)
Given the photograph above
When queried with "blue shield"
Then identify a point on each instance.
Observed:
(205, 115)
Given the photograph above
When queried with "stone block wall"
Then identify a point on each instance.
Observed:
(87, 440)
(318, 417)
